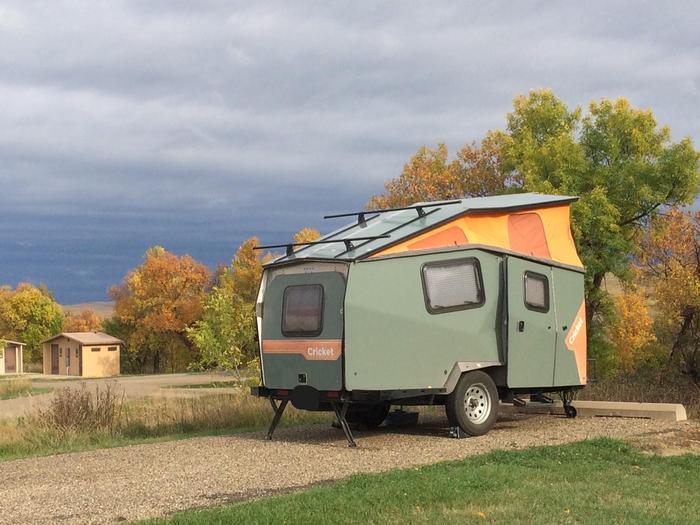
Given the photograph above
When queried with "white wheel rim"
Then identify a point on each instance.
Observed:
(477, 403)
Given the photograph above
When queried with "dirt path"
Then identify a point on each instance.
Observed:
(133, 387)
(153, 480)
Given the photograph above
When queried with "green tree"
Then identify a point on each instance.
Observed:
(225, 335)
(616, 158)
(29, 314)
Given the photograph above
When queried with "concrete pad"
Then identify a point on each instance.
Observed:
(660, 411)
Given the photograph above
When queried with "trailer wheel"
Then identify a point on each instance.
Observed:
(368, 416)
(473, 404)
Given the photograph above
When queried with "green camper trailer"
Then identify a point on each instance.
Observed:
(458, 303)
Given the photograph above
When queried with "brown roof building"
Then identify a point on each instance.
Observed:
(87, 354)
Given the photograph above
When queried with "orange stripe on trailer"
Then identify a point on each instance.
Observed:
(576, 342)
(309, 349)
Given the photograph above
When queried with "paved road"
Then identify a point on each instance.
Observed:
(145, 481)
(134, 387)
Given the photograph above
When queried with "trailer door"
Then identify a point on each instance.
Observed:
(531, 324)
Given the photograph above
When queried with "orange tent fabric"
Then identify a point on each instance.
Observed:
(540, 232)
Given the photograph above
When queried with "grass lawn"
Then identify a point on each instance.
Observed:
(601, 481)
(213, 384)
(23, 393)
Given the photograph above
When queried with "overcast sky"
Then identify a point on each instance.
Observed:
(207, 116)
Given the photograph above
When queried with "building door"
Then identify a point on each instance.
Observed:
(10, 360)
(54, 359)
(531, 324)
(79, 356)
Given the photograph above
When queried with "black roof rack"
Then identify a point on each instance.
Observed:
(348, 243)
(417, 207)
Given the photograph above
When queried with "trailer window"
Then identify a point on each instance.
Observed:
(452, 285)
(536, 292)
(302, 310)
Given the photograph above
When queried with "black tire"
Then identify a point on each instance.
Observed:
(367, 417)
(570, 411)
(473, 404)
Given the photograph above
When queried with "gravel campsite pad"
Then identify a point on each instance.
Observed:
(144, 481)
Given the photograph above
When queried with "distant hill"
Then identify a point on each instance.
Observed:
(101, 308)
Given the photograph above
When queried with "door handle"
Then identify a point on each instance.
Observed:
(521, 326)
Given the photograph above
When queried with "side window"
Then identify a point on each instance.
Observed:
(452, 285)
(536, 292)
(302, 310)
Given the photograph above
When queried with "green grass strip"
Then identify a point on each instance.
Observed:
(602, 481)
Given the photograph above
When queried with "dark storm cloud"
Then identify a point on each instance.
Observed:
(211, 104)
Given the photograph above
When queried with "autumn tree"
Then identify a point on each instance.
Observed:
(669, 256)
(85, 321)
(156, 303)
(29, 314)
(616, 158)
(476, 171)
(632, 328)
(306, 235)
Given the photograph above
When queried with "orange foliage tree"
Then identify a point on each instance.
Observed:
(670, 259)
(478, 170)
(85, 321)
(158, 301)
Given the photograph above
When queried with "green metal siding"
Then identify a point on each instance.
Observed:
(530, 351)
(393, 342)
(282, 370)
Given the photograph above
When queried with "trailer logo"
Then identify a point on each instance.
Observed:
(575, 331)
(312, 350)
(315, 352)
(576, 342)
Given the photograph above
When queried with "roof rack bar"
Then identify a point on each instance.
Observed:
(418, 207)
(348, 243)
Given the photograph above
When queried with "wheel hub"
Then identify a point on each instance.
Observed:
(477, 403)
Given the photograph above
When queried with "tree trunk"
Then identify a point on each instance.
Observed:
(592, 304)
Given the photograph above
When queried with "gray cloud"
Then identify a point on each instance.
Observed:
(273, 113)
(198, 102)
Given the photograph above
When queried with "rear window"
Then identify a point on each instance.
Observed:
(536, 292)
(302, 310)
(452, 285)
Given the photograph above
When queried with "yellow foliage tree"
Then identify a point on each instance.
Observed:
(632, 329)
(307, 235)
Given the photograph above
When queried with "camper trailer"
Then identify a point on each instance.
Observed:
(460, 303)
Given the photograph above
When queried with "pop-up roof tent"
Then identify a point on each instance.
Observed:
(528, 223)
(456, 302)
